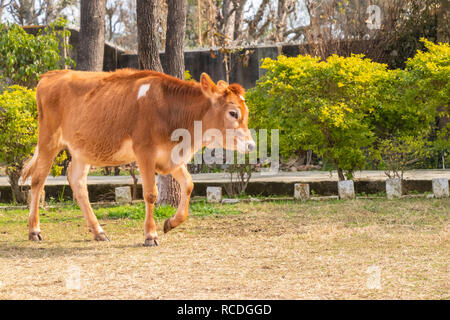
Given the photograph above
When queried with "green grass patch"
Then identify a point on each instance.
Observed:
(137, 211)
(362, 212)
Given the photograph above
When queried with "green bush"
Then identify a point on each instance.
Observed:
(18, 132)
(322, 106)
(25, 56)
(412, 102)
(430, 74)
(430, 79)
(396, 111)
(398, 154)
(350, 110)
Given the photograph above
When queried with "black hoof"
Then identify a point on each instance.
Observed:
(35, 236)
(101, 237)
(151, 242)
(167, 226)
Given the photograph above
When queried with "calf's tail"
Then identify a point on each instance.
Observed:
(29, 167)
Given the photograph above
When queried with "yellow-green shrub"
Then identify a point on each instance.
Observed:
(429, 73)
(322, 106)
(18, 131)
(344, 109)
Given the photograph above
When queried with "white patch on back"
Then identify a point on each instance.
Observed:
(143, 90)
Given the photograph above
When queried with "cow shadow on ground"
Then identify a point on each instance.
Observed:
(75, 248)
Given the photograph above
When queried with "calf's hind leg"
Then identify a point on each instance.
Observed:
(44, 154)
(77, 177)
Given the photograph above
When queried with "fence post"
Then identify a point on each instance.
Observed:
(301, 191)
(123, 194)
(214, 194)
(393, 188)
(440, 187)
(346, 189)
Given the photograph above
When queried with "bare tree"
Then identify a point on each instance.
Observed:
(24, 12)
(199, 22)
(53, 9)
(284, 8)
(115, 12)
(252, 24)
(212, 23)
(92, 35)
(3, 4)
(238, 19)
(268, 22)
(215, 22)
(128, 39)
(121, 23)
(28, 12)
(227, 19)
(208, 18)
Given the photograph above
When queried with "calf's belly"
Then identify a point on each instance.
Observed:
(102, 154)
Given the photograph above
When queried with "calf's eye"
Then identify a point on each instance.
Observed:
(234, 114)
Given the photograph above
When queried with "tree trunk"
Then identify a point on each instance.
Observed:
(340, 174)
(106, 171)
(229, 13)
(238, 20)
(1, 10)
(176, 30)
(199, 26)
(132, 170)
(212, 23)
(443, 21)
(148, 52)
(168, 188)
(92, 35)
(281, 21)
(50, 11)
(259, 15)
(27, 12)
(18, 195)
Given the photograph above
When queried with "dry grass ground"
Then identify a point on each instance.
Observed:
(313, 250)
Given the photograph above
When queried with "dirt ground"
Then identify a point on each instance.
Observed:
(361, 249)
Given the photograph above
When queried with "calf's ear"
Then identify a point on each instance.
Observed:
(208, 86)
(222, 85)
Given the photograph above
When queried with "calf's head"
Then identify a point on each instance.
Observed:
(228, 115)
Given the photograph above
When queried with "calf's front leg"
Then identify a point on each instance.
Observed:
(182, 176)
(150, 194)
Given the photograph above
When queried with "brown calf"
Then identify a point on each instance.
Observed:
(109, 119)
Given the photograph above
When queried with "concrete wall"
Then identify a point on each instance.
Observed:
(244, 68)
(105, 192)
(245, 63)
